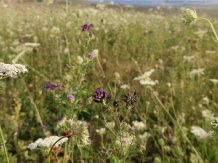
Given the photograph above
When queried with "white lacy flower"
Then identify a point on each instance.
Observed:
(139, 125)
(100, 131)
(10, 70)
(110, 124)
(196, 71)
(208, 114)
(145, 78)
(199, 132)
(215, 81)
(124, 86)
(47, 142)
(144, 137)
(79, 60)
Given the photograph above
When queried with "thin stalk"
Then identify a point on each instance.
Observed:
(3, 143)
(210, 25)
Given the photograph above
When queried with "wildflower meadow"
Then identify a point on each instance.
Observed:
(108, 84)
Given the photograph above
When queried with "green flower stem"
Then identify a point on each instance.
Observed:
(3, 143)
(210, 25)
(187, 139)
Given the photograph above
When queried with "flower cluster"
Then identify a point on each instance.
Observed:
(130, 100)
(80, 129)
(51, 86)
(145, 78)
(10, 70)
(47, 142)
(86, 27)
(100, 96)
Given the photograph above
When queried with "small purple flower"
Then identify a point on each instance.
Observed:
(100, 96)
(91, 55)
(182, 119)
(46, 86)
(86, 27)
(54, 86)
(71, 97)
(43, 127)
(51, 86)
(132, 128)
(60, 117)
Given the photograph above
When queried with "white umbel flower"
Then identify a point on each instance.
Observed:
(199, 132)
(10, 70)
(139, 125)
(196, 71)
(189, 16)
(145, 78)
(101, 131)
(47, 142)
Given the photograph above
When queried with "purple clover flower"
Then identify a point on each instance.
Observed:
(71, 97)
(86, 27)
(100, 96)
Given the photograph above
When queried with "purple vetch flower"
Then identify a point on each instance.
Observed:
(54, 86)
(51, 86)
(71, 97)
(100, 96)
(60, 117)
(86, 27)
(46, 86)
(43, 127)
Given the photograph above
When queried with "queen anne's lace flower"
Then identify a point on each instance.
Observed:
(199, 132)
(47, 142)
(10, 70)
(145, 78)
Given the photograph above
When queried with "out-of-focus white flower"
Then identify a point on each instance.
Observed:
(31, 44)
(144, 137)
(110, 124)
(196, 71)
(188, 58)
(47, 142)
(95, 52)
(101, 131)
(145, 78)
(10, 70)
(207, 114)
(55, 30)
(200, 32)
(215, 81)
(124, 86)
(206, 100)
(199, 132)
(79, 60)
(139, 125)
(175, 47)
(210, 51)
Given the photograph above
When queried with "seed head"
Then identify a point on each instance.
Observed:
(189, 16)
